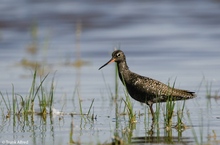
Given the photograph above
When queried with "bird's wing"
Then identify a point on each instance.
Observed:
(160, 91)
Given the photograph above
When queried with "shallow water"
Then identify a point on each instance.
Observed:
(168, 41)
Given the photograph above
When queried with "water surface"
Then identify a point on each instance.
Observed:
(168, 41)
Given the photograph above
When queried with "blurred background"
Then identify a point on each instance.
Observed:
(180, 36)
(164, 40)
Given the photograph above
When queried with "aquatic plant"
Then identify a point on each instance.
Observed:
(180, 126)
(25, 105)
(7, 104)
(208, 89)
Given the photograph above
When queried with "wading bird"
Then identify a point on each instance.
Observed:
(144, 89)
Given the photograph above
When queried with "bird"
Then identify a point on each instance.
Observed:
(144, 89)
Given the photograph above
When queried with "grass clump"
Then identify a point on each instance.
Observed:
(25, 105)
(169, 112)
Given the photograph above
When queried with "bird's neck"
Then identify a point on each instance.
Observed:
(123, 70)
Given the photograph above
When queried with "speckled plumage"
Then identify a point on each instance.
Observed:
(144, 89)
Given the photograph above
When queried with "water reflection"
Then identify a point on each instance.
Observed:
(36, 126)
(71, 141)
(162, 139)
(163, 136)
(166, 138)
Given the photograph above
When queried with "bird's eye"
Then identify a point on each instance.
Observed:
(118, 54)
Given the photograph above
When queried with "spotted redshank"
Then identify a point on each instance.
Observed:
(144, 89)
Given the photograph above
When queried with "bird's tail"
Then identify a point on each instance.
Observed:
(183, 94)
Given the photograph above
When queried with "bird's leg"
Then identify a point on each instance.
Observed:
(152, 112)
(151, 131)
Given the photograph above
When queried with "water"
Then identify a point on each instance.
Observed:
(172, 40)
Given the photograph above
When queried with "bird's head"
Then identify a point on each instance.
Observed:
(117, 56)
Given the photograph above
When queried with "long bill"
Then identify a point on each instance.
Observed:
(110, 61)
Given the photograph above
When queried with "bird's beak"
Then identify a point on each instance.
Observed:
(110, 61)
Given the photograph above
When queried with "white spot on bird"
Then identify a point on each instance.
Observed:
(136, 82)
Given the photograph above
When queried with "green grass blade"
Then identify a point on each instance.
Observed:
(90, 106)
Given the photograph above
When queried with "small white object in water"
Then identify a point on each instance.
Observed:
(56, 112)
